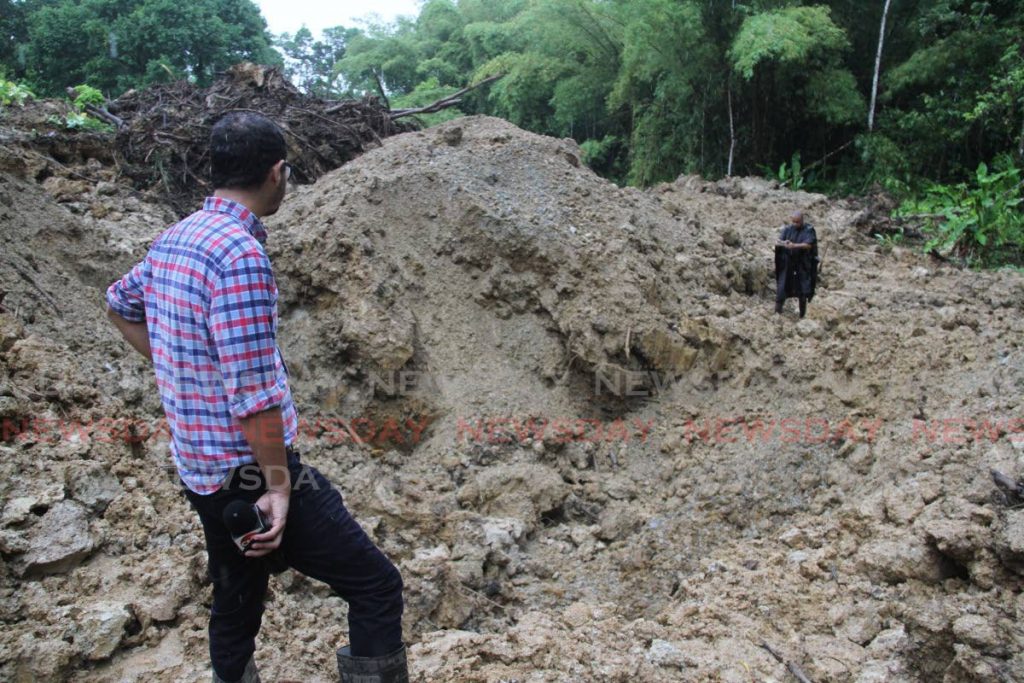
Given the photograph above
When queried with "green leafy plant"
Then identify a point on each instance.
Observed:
(981, 221)
(86, 94)
(14, 93)
(888, 242)
(78, 118)
(790, 174)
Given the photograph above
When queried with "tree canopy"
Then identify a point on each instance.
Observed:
(654, 88)
(310, 63)
(650, 88)
(119, 44)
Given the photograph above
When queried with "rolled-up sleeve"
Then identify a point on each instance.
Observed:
(125, 297)
(243, 326)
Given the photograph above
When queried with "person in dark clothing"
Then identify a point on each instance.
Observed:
(796, 263)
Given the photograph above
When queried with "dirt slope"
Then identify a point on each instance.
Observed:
(567, 411)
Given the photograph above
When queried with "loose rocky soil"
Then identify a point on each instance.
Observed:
(566, 410)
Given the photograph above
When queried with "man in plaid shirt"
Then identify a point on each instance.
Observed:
(202, 306)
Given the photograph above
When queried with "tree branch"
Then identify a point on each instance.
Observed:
(444, 102)
(380, 87)
(794, 669)
(102, 113)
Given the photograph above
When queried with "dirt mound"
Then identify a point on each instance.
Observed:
(567, 410)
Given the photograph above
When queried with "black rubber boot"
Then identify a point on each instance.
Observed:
(391, 668)
(250, 675)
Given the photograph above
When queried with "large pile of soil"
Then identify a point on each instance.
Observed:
(565, 409)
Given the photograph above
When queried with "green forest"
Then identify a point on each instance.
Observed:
(922, 99)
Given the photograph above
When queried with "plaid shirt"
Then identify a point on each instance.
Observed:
(207, 294)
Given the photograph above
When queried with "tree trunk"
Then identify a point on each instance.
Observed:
(703, 119)
(878, 66)
(732, 131)
(1020, 146)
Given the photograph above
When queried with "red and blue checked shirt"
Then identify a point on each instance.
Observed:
(207, 294)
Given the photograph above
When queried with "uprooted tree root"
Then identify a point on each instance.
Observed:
(159, 137)
(164, 142)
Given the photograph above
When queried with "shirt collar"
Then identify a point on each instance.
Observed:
(246, 217)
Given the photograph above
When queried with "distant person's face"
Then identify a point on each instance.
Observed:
(798, 220)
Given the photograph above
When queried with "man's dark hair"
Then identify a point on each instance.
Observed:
(243, 148)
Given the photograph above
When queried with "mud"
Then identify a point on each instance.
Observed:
(566, 410)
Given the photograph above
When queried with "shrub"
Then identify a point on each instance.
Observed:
(980, 222)
(14, 93)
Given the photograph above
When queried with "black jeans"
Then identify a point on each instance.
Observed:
(322, 541)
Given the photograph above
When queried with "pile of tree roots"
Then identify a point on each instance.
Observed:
(163, 131)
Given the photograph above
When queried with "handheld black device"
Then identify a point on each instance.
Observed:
(244, 520)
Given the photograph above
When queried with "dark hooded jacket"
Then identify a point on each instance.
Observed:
(796, 270)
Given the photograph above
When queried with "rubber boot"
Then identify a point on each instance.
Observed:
(391, 668)
(250, 675)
